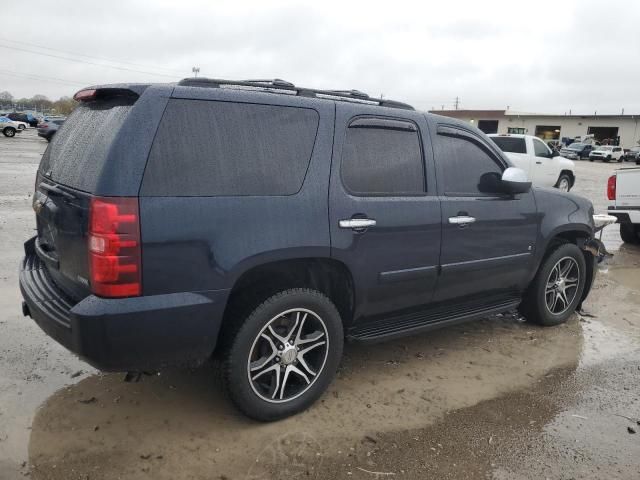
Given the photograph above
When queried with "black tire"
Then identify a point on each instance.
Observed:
(564, 178)
(630, 233)
(608, 159)
(21, 127)
(245, 393)
(9, 132)
(534, 305)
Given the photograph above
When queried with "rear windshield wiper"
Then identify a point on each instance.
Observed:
(54, 190)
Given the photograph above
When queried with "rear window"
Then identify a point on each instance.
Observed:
(510, 144)
(211, 148)
(79, 149)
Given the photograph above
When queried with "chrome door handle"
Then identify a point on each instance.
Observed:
(461, 220)
(357, 223)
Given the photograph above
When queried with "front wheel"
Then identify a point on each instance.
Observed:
(284, 355)
(557, 288)
(564, 183)
(21, 127)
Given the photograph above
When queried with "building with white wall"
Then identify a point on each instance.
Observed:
(624, 129)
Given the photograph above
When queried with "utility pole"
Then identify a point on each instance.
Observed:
(457, 103)
(195, 71)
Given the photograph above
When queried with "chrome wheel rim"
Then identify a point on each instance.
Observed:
(562, 285)
(288, 355)
(564, 185)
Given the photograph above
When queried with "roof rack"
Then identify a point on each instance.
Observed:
(278, 85)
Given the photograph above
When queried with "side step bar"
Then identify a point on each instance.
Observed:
(375, 330)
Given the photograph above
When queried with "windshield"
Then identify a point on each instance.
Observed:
(635, 149)
(606, 149)
(576, 146)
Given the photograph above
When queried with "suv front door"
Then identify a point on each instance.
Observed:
(487, 237)
(384, 212)
(545, 171)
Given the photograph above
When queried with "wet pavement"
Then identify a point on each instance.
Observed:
(498, 398)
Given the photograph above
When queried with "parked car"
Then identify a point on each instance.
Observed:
(545, 167)
(632, 155)
(265, 223)
(606, 153)
(23, 117)
(9, 127)
(623, 187)
(48, 129)
(577, 151)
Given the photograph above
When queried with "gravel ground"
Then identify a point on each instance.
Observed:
(497, 398)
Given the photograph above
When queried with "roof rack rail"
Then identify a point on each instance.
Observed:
(278, 85)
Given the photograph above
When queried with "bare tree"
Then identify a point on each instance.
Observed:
(6, 97)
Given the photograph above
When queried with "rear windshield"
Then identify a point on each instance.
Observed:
(79, 148)
(211, 148)
(510, 144)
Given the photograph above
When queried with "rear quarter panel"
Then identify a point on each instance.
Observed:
(206, 243)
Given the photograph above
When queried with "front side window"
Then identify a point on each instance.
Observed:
(382, 157)
(540, 149)
(467, 166)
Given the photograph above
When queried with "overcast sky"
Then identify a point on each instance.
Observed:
(532, 56)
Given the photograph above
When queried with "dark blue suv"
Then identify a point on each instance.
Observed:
(265, 223)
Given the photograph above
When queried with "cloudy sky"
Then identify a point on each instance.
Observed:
(532, 56)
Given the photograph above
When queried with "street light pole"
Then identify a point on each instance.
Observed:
(195, 71)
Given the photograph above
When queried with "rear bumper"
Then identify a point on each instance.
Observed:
(625, 216)
(129, 334)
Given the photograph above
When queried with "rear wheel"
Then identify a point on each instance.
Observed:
(284, 355)
(557, 288)
(21, 127)
(9, 132)
(630, 233)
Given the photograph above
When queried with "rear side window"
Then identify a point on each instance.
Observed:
(510, 144)
(210, 148)
(78, 150)
(383, 158)
(466, 166)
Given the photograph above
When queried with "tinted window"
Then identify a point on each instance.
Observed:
(540, 148)
(466, 166)
(207, 148)
(510, 144)
(78, 151)
(383, 161)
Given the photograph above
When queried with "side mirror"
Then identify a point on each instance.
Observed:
(515, 180)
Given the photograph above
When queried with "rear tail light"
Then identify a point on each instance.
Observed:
(611, 188)
(115, 254)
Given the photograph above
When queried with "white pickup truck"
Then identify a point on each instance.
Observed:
(546, 168)
(623, 188)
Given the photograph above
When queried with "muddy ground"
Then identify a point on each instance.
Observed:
(498, 398)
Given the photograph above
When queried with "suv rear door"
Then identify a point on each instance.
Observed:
(382, 172)
(487, 237)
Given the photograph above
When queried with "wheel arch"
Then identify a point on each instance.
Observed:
(570, 174)
(327, 275)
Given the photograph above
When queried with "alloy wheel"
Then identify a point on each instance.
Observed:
(562, 285)
(288, 355)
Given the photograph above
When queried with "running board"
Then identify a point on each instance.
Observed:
(395, 326)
